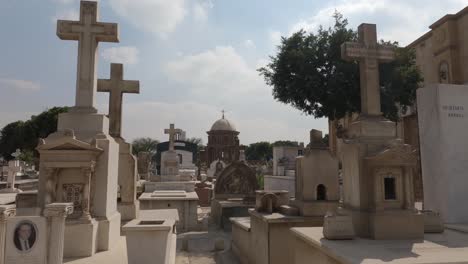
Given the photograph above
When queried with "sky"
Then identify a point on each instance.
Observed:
(193, 58)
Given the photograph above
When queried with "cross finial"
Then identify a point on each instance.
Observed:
(16, 154)
(222, 111)
(88, 32)
(117, 86)
(172, 131)
(369, 54)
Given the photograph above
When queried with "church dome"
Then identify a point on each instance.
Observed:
(223, 125)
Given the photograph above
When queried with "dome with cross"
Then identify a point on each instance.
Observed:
(223, 125)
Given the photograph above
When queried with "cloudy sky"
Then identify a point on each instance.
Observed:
(192, 57)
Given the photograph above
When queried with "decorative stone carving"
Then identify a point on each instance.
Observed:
(236, 180)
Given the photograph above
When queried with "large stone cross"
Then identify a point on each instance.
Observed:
(369, 54)
(116, 86)
(88, 32)
(172, 131)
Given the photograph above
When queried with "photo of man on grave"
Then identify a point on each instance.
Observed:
(25, 236)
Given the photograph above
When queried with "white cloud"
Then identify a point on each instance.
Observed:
(219, 72)
(398, 20)
(248, 43)
(19, 85)
(155, 16)
(220, 78)
(200, 10)
(125, 55)
(275, 37)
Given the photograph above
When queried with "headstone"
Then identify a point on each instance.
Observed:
(317, 186)
(12, 170)
(88, 32)
(170, 161)
(442, 118)
(117, 86)
(377, 167)
(79, 163)
(237, 180)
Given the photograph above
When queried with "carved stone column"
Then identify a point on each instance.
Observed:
(50, 175)
(5, 212)
(56, 214)
(87, 174)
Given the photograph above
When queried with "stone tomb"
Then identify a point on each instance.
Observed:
(234, 193)
(33, 239)
(443, 116)
(284, 168)
(317, 184)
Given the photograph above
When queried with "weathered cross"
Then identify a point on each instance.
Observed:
(369, 54)
(172, 131)
(88, 32)
(116, 86)
(13, 168)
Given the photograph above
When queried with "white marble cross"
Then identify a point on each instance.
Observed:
(88, 32)
(16, 154)
(369, 54)
(172, 133)
(117, 86)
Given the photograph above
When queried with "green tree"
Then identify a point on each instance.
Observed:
(145, 144)
(25, 135)
(285, 143)
(197, 141)
(309, 74)
(259, 151)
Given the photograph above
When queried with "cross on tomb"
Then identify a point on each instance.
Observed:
(13, 168)
(172, 131)
(16, 154)
(117, 86)
(369, 54)
(88, 32)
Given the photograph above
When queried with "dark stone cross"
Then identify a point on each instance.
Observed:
(117, 86)
(88, 32)
(369, 54)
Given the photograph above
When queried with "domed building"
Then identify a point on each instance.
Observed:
(223, 142)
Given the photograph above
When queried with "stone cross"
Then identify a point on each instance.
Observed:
(172, 132)
(16, 154)
(88, 32)
(369, 54)
(12, 169)
(116, 86)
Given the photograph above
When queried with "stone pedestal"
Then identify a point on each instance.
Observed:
(338, 225)
(128, 205)
(150, 241)
(5, 212)
(56, 213)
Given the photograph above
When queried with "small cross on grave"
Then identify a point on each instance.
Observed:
(88, 32)
(117, 86)
(12, 170)
(369, 54)
(172, 131)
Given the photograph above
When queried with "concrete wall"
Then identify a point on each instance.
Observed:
(277, 183)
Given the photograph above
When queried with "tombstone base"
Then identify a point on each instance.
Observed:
(314, 208)
(370, 128)
(80, 239)
(109, 232)
(385, 225)
(338, 227)
(129, 211)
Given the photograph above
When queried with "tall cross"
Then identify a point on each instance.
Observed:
(88, 32)
(172, 131)
(116, 86)
(369, 54)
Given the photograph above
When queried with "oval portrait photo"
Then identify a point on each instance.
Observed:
(25, 236)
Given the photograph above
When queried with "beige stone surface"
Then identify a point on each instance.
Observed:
(450, 247)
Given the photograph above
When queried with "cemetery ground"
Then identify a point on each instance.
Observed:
(208, 246)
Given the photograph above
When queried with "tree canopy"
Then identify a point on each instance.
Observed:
(25, 135)
(309, 74)
(145, 144)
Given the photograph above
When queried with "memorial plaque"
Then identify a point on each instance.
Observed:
(26, 240)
